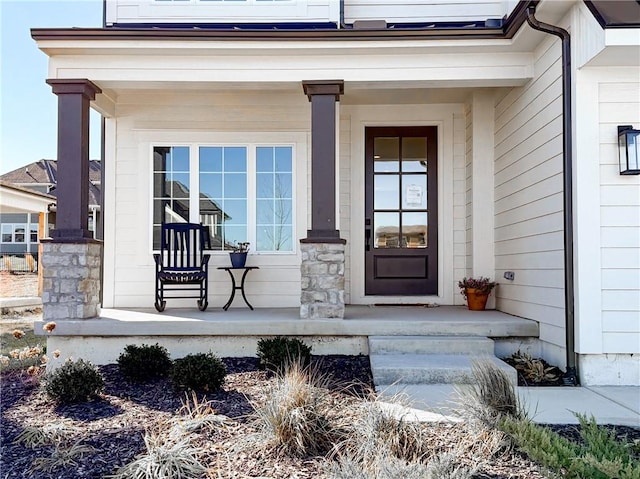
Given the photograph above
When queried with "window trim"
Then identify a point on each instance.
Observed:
(194, 182)
(12, 227)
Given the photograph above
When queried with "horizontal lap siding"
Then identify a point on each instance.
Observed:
(461, 246)
(528, 197)
(423, 10)
(619, 104)
(344, 164)
(468, 187)
(277, 283)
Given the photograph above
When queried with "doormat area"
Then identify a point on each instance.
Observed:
(405, 305)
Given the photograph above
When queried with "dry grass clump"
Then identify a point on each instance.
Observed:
(386, 441)
(169, 454)
(170, 449)
(376, 428)
(63, 455)
(295, 417)
(491, 397)
(67, 450)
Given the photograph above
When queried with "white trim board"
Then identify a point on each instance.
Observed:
(441, 116)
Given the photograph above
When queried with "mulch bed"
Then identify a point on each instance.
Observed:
(114, 424)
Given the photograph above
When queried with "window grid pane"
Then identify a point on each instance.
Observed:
(171, 189)
(274, 205)
(7, 233)
(223, 194)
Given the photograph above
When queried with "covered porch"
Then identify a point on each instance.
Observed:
(236, 331)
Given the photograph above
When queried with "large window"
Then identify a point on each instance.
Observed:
(240, 192)
(16, 233)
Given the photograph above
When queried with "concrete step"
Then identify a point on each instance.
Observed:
(429, 368)
(472, 345)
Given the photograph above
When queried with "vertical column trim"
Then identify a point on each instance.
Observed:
(72, 216)
(482, 193)
(323, 95)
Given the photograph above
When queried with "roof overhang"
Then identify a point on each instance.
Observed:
(195, 59)
(14, 199)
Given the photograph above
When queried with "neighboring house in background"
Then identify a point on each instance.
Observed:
(20, 210)
(407, 144)
(41, 177)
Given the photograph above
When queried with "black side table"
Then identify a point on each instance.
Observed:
(234, 286)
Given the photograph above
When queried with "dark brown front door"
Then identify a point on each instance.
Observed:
(401, 208)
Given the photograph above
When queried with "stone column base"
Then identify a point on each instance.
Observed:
(322, 271)
(71, 280)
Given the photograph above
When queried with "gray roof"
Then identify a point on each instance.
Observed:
(45, 172)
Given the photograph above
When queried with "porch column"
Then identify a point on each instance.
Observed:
(71, 259)
(322, 267)
(72, 215)
(482, 199)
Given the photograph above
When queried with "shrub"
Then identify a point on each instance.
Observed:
(600, 456)
(201, 372)
(534, 370)
(74, 381)
(276, 353)
(145, 362)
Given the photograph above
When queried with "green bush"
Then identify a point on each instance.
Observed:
(145, 362)
(600, 456)
(198, 372)
(277, 353)
(74, 381)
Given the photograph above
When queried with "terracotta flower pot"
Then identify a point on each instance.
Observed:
(476, 299)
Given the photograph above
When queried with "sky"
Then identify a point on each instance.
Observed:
(28, 108)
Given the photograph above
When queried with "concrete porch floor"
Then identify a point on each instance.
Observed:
(359, 321)
(235, 332)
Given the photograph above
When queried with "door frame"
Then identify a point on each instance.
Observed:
(441, 116)
(430, 253)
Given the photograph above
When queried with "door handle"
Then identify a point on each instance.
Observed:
(367, 235)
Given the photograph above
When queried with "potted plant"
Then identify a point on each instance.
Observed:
(476, 291)
(238, 254)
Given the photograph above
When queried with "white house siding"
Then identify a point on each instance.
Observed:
(148, 117)
(460, 206)
(619, 104)
(468, 186)
(608, 218)
(424, 11)
(345, 198)
(528, 200)
(196, 11)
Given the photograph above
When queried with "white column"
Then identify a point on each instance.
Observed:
(109, 212)
(482, 203)
(587, 246)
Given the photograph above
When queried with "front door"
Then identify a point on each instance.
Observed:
(401, 211)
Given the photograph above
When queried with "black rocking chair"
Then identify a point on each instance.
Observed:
(182, 263)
